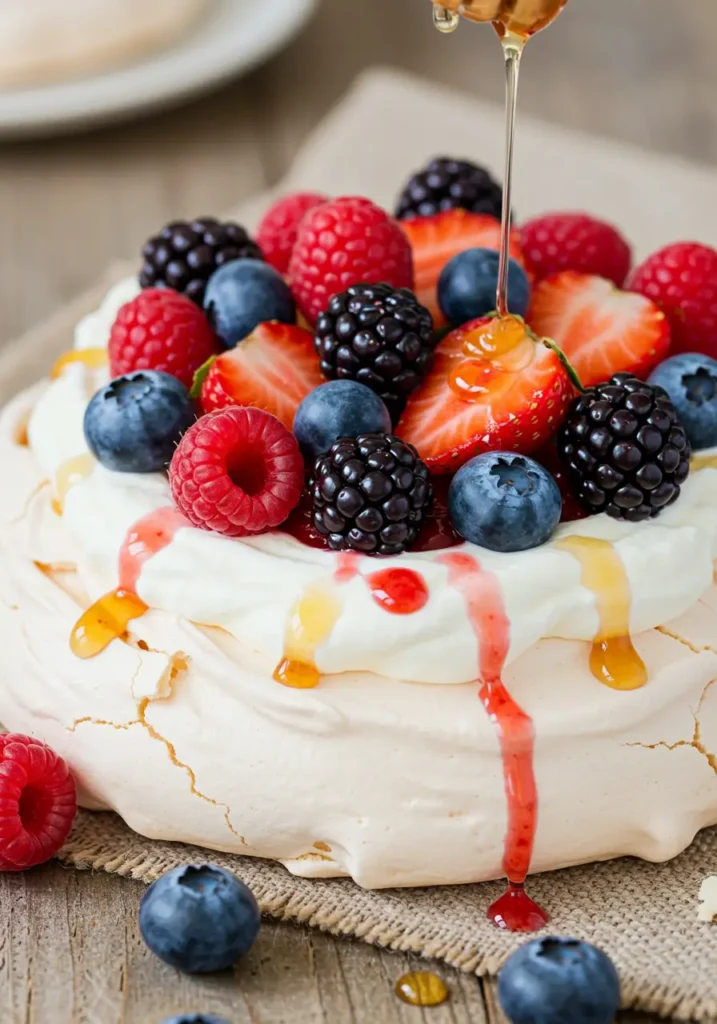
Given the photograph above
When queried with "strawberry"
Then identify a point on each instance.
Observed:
(494, 386)
(273, 369)
(437, 239)
(600, 329)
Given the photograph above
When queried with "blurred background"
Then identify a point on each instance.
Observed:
(639, 70)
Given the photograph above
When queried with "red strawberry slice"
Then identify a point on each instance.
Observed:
(513, 400)
(437, 239)
(273, 369)
(600, 329)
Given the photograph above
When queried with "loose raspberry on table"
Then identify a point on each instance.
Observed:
(344, 242)
(575, 241)
(682, 280)
(38, 802)
(277, 232)
(237, 471)
(161, 330)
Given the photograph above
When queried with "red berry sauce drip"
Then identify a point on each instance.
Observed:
(398, 591)
(437, 531)
(108, 618)
(300, 524)
(515, 910)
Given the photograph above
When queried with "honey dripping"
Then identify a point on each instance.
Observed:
(69, 474)
(613, 658)
(93, 358)
(703, 462)
(422, 988)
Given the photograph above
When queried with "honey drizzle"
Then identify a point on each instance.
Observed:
(703, 462)
(93, 358)
(311, 623)
(613, 658)
(69, 474)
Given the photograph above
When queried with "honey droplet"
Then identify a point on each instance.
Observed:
(310, 625)
(445, 21)
(69, 474)
(104, 621)
(422, 988)
(613, 658)
(94, 358)
(496, 338)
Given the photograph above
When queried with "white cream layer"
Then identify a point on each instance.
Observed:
(248, 587)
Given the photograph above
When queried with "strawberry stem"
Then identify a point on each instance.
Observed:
(571, 371)
(200, 376)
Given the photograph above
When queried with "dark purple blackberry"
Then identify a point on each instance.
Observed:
(624, 448)
(380, 336)
(370, 494)
(446, 184)
(185, 254)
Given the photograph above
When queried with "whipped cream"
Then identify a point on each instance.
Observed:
(249, 586)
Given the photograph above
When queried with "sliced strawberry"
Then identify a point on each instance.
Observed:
(435, 240)
(600, 329)
(518, 399)
(273, 369)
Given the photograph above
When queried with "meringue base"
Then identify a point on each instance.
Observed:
(184, 733)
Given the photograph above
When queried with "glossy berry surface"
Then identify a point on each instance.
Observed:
(575, 241)
(134, 423)
(625, 451)
(37, 802)
(342, 243)
(237, 471)
(276, 235)
(185, 254)
(559, 981)
(682, 280)
(199, 918)
(370, 494)
(468, 284)
(339, 408)
(380, 336)
(691, 382)
(161, 330)
(449, 184)
(243, 294)
(504, 502)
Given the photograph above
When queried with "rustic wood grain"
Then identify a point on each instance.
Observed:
(640, 70)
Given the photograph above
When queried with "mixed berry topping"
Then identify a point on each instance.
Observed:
(625, 449)
(379, 336)
(133, 424)
(243, 294)
(575, 241)
(185, 254)
(161, 330)
(345, 242)
(279, 227)
(448, 184)
(468, 283)
(370, 494)
(690, 380)
(199, 919)
(339, 408)
(37, 802)
(237, 471)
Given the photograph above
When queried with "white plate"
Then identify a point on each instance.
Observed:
(234, 37)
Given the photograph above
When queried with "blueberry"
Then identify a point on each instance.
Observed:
(199, 918)
(133, 424)
(245, 293)
(691, 382)
(339, 408)
(504, 502)
(468, 283)
(559, 981)
(195, 1018)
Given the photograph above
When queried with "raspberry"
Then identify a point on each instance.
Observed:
(575, 241)
(161, 330)
(278, 230)
(682, 280)
(344, 242)
(37, 802)
(237, 471)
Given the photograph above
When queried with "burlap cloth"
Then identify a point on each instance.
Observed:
(643, 915)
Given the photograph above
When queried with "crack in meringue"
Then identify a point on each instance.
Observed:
(696, 742)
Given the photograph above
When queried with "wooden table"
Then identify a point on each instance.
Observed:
(641, 70)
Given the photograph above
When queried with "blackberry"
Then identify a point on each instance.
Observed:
(446, 184)
(624, 448)
(370, 494)
(185, 254)
(380, 336)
